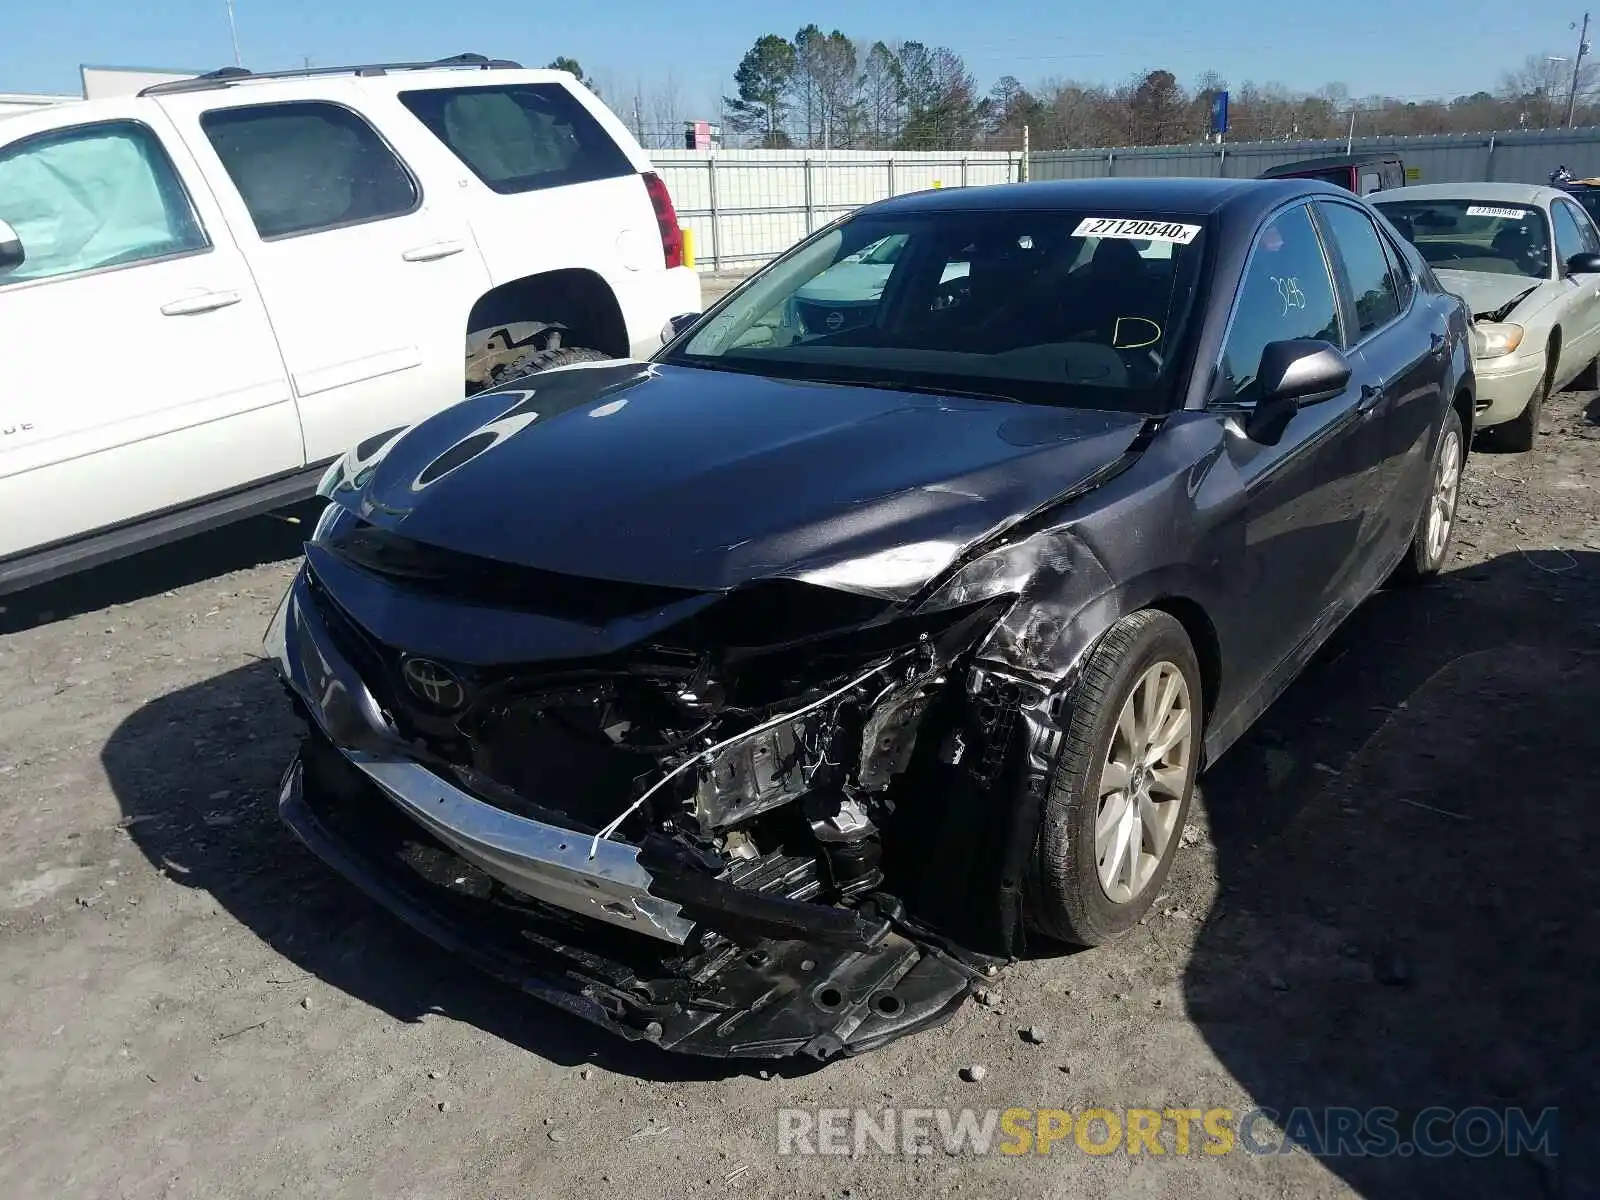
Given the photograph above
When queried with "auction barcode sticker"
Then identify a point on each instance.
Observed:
(1486, 210)
(1136, 230)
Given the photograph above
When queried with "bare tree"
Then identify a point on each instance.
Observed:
(1541, 86)
(664, 113)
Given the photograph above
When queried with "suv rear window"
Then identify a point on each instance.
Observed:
(520, 137)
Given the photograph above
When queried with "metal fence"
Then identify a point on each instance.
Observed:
(1523, 156)
(746, 206)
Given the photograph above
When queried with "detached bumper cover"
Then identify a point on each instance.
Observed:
(521, 900)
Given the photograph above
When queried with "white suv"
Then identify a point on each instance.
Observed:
(211, 290)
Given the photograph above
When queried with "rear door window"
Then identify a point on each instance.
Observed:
(307, 166)
(520, 137)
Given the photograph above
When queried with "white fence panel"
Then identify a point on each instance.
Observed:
(746, 206)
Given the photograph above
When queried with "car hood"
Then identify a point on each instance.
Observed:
(705, 480)
(1484, 291)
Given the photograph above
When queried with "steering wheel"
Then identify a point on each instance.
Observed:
(950, 293)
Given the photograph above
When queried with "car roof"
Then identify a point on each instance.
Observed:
(1332, 160)
(1132, 195)
(1509, 193)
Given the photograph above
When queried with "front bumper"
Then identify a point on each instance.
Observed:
(1505, 385)
(522, 900)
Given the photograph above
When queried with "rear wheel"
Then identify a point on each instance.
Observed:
(1430, 545)
(1122, 783)
(542, 360)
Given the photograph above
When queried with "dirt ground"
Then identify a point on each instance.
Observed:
(1387, 898)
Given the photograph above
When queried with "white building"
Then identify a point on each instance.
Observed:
(97, 82)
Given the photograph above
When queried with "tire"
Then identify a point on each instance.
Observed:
(1518, 435)
(1067, 899)
(1428, 552)
(535, 361)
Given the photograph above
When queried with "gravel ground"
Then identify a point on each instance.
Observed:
(1386, 898)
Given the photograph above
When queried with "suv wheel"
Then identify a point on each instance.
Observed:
(535, 361)
(1122, 783)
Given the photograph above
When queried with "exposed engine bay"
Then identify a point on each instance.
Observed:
(779, 809)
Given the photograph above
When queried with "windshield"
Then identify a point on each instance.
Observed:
(1475, 235)
(1073, 308)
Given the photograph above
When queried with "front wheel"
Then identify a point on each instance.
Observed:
(1430, 544)
(1122, 783)
(1518, 435)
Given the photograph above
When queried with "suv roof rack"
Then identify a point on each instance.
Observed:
(227, 76)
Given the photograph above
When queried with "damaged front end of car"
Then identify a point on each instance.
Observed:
(777, 820)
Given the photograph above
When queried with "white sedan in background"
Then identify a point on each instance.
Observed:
(1527, 261)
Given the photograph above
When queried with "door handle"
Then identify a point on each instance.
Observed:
(1369, 398)
(204, 302)
(437, 250)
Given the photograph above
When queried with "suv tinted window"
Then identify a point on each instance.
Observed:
(93, 196)
(520, 137)
(308, 166)
(1355, 240)
(1286, 292)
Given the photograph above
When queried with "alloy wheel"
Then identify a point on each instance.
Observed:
(1142, 783)
(1442, 501)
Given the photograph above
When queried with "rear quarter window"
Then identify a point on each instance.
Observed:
(520, 137)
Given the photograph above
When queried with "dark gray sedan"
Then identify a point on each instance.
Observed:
(762, 697)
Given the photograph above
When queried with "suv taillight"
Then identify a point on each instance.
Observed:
(666, 218)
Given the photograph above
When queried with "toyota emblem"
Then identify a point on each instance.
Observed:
(835, 319)
(434, 684)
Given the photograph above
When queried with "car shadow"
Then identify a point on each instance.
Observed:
(1405, 847)
(235, 547)
(1593, 411)
(196, 773)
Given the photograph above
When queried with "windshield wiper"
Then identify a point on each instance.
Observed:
(1504, 311)
(921, 389)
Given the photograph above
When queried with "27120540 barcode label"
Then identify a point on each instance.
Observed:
(1136, 229)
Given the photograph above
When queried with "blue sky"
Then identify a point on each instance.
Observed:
(1417, 49)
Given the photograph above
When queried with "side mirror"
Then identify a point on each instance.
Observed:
(1292, 374)
(11, 254)
(681, 322)
(1584, 264)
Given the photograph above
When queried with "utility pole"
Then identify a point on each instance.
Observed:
(1577, 63)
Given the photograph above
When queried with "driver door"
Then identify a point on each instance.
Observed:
(1302, 502)
(1575, 234)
